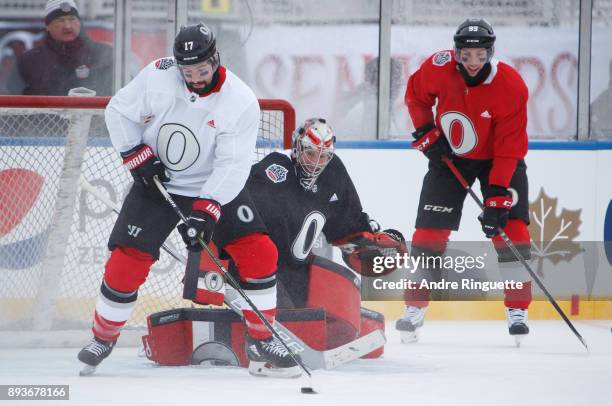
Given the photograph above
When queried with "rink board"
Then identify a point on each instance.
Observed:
(574, 174)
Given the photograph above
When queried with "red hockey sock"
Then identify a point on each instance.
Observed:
(255, 327)
(518, 298)
(106, 330)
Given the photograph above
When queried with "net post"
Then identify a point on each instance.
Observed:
(55, 252)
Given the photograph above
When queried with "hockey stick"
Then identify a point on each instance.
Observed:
(314, 359)
(232, 282)
(515, 251)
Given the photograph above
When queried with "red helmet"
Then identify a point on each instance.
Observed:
(313, 148)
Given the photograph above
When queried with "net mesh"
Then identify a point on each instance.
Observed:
(34, 142)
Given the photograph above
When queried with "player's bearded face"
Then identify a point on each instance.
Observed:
(198, 76)
(473, 59)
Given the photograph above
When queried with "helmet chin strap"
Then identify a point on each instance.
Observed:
(480, 77)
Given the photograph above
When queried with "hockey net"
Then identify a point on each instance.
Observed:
(53, 234)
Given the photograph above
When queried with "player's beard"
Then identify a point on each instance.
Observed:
(208, 87)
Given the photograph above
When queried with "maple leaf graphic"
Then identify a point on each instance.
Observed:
(552, 236)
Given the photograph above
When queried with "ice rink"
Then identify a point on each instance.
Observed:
(455, 363)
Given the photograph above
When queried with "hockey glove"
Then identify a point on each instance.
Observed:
(498, 202)
(359, 250)
(430, 141)
(144, 166)
(201, 223)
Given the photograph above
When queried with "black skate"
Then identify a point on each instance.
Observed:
(517, 324)
(410, 323)
(93, 353)
(269, 357)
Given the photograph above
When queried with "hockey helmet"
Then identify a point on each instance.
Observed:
(313, 148)
(474, 33)
(195, 44)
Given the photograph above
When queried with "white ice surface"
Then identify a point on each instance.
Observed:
(455, 363)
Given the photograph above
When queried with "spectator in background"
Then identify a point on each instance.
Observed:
(66, 59)
(601, 112)
(358, 118)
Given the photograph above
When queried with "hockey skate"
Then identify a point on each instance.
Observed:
(410, 323)
(269, 357)
(517, 324)
(93, 353)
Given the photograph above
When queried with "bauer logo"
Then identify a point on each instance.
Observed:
(20, 248)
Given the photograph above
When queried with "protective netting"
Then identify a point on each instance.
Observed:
(50, 271)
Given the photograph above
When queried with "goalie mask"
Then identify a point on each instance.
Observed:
(197, 58)
(313, 149)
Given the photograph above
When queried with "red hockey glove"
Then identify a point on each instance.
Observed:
(430, 141)
(144, 165)
(201, 223)
(498, 202)
(359, 250)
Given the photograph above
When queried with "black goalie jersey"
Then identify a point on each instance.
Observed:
(274, 202)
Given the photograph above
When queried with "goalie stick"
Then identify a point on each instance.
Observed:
(312, 358)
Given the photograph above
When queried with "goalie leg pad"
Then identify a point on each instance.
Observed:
(370, 321)
(192, 336)
(335, 289)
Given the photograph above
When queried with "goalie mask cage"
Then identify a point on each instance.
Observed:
(53, 235)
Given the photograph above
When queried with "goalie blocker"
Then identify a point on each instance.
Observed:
(333, 317)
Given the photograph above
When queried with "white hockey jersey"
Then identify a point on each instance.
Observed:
(205, 142)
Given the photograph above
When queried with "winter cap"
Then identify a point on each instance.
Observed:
(60, 8)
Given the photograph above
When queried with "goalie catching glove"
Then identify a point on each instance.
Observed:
(359, 250)
(201, 223)
(144, 166)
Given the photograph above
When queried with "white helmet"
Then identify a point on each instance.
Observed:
(313, 149)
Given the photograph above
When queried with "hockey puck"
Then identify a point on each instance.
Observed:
(307, 389)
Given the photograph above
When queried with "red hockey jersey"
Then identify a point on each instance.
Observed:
(487, 121)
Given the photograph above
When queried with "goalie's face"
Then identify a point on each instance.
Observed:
(314, 149)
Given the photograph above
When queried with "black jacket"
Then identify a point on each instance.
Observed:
(54, 67)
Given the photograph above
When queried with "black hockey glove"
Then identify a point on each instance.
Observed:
(144, 165)
(498, 202)
(201, 223)
(430, 141)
